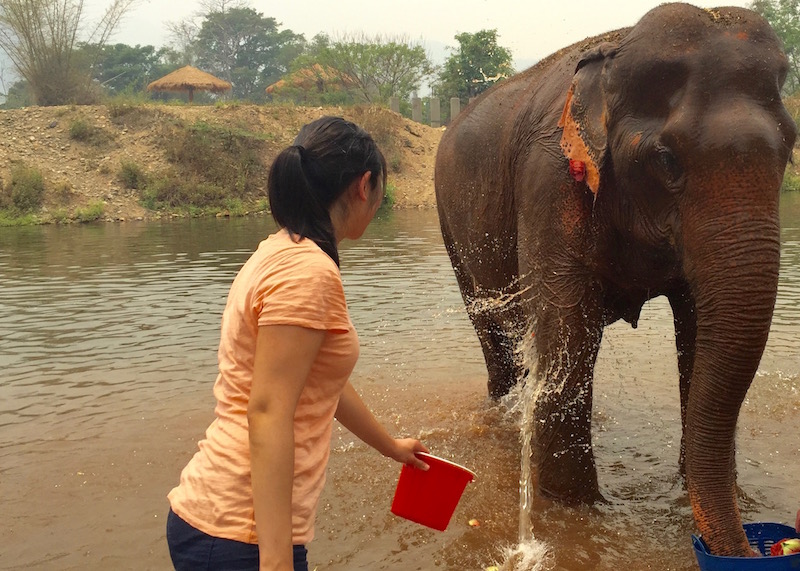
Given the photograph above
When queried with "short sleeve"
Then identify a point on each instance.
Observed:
(306, 291)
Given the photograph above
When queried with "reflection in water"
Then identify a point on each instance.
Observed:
(108, 353)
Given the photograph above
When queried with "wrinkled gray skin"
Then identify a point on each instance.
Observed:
(685, 140)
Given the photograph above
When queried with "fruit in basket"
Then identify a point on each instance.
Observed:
(786, 546)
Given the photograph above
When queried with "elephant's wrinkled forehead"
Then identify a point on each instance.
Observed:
(682, 27)
(680, 40)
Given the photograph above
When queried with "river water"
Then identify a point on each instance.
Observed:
(108, 337)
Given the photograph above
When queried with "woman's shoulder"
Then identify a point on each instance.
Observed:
(284, 252)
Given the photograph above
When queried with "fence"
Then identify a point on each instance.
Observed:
(434, 109)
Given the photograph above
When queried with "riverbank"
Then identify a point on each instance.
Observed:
(117, 162)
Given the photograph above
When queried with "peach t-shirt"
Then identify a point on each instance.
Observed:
(286, 283)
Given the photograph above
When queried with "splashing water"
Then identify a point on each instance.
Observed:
(529, 555)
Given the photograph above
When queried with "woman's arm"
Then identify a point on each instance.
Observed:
(283, 359)
(356, 417)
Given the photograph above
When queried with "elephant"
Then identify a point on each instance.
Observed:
(643, 162)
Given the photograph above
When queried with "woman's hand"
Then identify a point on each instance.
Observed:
(405, 452)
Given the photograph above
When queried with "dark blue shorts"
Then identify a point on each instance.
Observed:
(193, 550)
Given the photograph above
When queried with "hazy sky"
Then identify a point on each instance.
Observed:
(532, 29)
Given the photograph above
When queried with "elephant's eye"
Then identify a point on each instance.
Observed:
(668, 164)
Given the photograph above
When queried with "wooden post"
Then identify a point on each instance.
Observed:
(436, 113)
(455, 107)
(416, 109)
(394, 103)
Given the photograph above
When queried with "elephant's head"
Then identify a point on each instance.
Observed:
(685, 141)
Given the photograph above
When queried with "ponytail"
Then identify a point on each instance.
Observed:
(295, 204)
(307, 178)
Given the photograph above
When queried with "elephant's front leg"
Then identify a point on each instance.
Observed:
(567, 341)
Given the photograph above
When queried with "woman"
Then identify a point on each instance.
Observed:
(248, 497)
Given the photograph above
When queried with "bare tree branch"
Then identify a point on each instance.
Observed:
(40, 38)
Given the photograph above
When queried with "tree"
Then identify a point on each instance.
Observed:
(372, 68)
(784, 17)
(18, 95)
(120, 67)
(474, 66)
(242, 46)
(41, 36)
(183, 37)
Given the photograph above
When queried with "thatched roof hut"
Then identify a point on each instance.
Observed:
(189, 79)
(313, 78)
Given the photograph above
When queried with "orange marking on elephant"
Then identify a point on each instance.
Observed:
(573, 146)
(637, 138)
(742, 36)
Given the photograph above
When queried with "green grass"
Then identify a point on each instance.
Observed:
(388, 197)
(8, 218)
(91, 213)
(791, 180)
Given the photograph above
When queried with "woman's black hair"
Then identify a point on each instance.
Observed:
(306, 179)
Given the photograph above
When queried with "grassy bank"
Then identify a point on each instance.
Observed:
(171, 161)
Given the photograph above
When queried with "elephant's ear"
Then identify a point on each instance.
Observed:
(584, 136)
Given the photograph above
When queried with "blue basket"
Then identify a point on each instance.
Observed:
(761, 536)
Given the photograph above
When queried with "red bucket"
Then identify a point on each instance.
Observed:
(430, 497)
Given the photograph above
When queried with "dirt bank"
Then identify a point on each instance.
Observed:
(83, 171)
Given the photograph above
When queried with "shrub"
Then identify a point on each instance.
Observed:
(10, 219)
(234, 207)
(388, 196)
(80, 130)
(84, 132)
(91, 213)
(218, 157)
(791, 182)
(59, 215)
(131, 175)
(63, 191)
(26, 189)
(173, 190)
(130, 110)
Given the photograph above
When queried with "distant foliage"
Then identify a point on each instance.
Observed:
(371, 69)
(784, 17)
(40, 37)
(474, 66)
(123, 69)
(240, 45)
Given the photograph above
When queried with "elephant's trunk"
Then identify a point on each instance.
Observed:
(731, 258)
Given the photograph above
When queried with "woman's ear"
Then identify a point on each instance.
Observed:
(584, 136)
(363, 186)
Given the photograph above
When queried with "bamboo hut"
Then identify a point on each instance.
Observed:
(189, 79)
